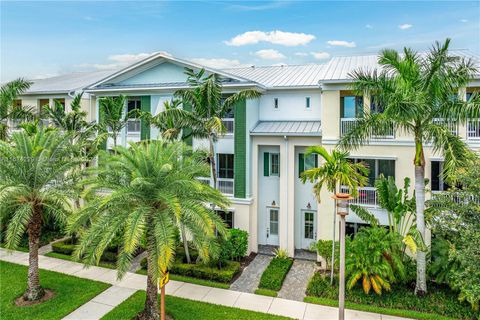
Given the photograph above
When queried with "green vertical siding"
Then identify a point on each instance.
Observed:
(240, 149)
(145, 106)
(266, 164)
(187, 131)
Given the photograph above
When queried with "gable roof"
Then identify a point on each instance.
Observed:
(158, 58)
(282, 76)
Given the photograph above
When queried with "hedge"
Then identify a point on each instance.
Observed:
(440, 299)
(67, 248)
(273, 276)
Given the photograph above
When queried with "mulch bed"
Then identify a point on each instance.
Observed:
(20, 302)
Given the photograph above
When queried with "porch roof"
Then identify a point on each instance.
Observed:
(287, 128)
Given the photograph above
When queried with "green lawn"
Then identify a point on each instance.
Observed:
(183, 309)
(70, 293)
(70, 258)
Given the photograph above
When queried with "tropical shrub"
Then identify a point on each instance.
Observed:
(201, 271)
(375, 260)
(234, 246)
(280, 253)
(273, 276)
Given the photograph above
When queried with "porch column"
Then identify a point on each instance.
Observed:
(291, 198)
(253, 238)
(284, 198)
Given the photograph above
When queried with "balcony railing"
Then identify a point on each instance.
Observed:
(473, 129)
(229, 124)
(133, 126)
(225, 185)
(450, 124)
(367, 196)
(347, 124)
(456, 197)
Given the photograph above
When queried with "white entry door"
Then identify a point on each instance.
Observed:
(272, 226)
(309, 228)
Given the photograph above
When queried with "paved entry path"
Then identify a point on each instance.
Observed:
(296, 282)
(250, 277)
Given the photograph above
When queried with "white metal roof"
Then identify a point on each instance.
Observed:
(288, 128)
(67, 82)
(282, 76)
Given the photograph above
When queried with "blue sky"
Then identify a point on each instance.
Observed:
(41, 39)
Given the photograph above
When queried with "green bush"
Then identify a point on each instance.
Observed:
(234, 247)
(272, 278)
(201, 271)
(440, 299)
(67, 247)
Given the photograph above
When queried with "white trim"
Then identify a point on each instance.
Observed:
(373, 157)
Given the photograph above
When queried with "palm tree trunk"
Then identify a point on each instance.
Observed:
(34, 291)
(421, 285)
(151, 308)
(212, 161)
(185, 244)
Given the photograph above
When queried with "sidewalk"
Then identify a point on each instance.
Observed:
(122, 289)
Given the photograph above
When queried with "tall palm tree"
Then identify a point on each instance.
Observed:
(35, 186)
(208, 107)
(9, 92)
(337, 170)
(151, 186)
(112, 116)
(414, 89)
(169, 128)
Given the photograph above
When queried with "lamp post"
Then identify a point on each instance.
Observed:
(342, 210)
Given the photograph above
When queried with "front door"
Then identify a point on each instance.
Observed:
(272, 226)
(309, 228)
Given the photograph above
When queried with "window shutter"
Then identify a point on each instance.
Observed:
(316, 160)
(266, 164)
(144, 127)
(301, 164)
(342, 107)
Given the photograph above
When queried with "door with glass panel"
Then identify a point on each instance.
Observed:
(272, 226)
(309, 228)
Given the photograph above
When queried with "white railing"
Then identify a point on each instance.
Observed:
(456, 197)
(225, 186)
(473, 129)
(367, 196)
(133, 126)
(229, 124)
(347, 124)
(452, 125)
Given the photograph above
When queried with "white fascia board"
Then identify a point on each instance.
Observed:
(286, 134)
(161, 88)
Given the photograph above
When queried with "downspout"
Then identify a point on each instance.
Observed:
(286, 176)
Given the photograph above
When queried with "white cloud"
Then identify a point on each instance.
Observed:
(463, 20)
(320, 55)
(118, 61)
(301, 54)
(219, 63)
(368, 26)
(341, 43)
(405, 26)
(269, 54)
(289, 39)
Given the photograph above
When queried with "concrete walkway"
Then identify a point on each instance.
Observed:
(250, 277)
(241, 300)
(296, 282)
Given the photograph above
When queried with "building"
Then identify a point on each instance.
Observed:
(260, 158)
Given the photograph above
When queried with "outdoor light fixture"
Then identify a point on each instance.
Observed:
(342, 210)
(309, 206)
(274, 204)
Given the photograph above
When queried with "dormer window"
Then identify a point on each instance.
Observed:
(275, 103)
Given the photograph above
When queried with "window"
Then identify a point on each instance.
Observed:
(378, 167)
(274, 222)
(438, 184)
(227, 217)
(59, 102)
(17, 103)
(351, 106)
(375, 106)
(307, 103)
(274, 164)
(275, 103)
(42, 103)
(133, 104)
(352, 228)
(306, 162)
(225, 165)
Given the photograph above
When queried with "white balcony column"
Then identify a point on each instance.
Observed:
(253, 224)
(291, 175)
(284, 198)
(462, 128)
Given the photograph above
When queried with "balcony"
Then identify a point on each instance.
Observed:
(229, 124)
(347, 124)
(456, 197)
(473, 129)
(225, 185)
(451, 125)
(367, 196)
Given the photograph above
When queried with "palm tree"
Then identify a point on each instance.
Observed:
(35, 186)
(413, 90)
(169, 128)
(208, 107)
(112, 116)
(337, 170)
(151, 186)
(9, 92)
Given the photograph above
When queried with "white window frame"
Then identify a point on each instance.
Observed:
(271, 165)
